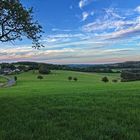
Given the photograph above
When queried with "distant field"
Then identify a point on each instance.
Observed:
(57, 109)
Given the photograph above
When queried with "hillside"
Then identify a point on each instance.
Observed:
(55, 108)
(100, 68)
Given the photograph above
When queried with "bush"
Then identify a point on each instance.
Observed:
(15, 77)
(69, 78)
(130, 75)
(114, 80)
(40, 77)
(75, 79)
(105, 79)
(43, 69)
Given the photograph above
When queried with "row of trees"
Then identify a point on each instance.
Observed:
(93, 68)
(42, 68)
(70, 78)
(35, 66)
(130, 75)
(106, 80)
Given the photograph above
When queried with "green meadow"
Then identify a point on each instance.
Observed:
(2, 80)
(55, 108)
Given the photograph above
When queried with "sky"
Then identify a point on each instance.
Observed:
(81, 32)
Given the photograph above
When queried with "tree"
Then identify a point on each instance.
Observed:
(105, 79)
(15, 77)
(43, 69)
(130, 75)
(40, 77)
(17, 21)
(22, 67)
(75, 79)
(114, 80)
(7, 65)
(69, 78)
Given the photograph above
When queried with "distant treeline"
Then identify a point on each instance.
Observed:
(124, 65)
(130, 75)
(35, 65)
(26, 66)
(102, 68)
(93, 69)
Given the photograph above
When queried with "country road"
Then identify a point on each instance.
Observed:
(10, 81)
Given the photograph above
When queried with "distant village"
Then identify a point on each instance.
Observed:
(9, 69)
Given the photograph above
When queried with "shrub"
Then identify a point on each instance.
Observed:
(75, 79)
(105, 79)
(40, 77)
(114, 80)
(43, 69)
(15, 77)
(69, 78)
(130, 75)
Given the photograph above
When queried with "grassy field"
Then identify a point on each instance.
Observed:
(2, 80)
(57, 109)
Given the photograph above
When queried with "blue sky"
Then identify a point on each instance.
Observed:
(81, 31)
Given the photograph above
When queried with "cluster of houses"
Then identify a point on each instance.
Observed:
(8, 71)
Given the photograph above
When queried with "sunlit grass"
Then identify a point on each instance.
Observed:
(57, 109)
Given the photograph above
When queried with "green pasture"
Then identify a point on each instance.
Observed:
(57, 109)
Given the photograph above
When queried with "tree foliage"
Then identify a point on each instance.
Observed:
(40, 77)
(69, 78)
(130, 75)
(17, 21)
(114, 80)
(105, 79)
(43, 69)
(75, 79)
(15, 78)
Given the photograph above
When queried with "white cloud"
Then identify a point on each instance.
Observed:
(137, 9)
(134, 30)
(110, 51)
(61, 38)
(112, 13)
(103, 25)
(85, 16)
(88, 50)
(114, 26)
(83, 3)
(109, 20)
(60, 30)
